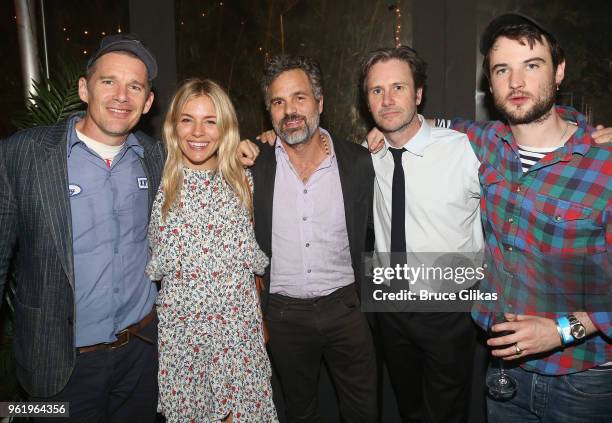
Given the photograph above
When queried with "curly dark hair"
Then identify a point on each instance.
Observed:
(285, 62)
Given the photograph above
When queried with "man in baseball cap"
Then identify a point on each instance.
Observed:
(76, 197)
(546, 189)
(125, 43)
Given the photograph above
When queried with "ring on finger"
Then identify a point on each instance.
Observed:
(518, 349)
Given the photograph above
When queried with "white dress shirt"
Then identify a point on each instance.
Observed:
(442, 193)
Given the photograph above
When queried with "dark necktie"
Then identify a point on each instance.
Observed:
(398, 204)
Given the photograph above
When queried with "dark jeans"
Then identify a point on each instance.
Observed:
(429, 357)
(303, 333)
(117, 385)
(584, 397)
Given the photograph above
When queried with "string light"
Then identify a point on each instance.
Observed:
(206, 13)
(86, 32)
(398, 24)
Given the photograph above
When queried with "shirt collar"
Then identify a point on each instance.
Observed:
(579, 142)
(416, 145)
(280, 148)
(131, 141)
(72, 135)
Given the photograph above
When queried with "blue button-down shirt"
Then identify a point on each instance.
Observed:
(109, 226)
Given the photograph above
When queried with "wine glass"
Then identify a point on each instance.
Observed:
(501, 386)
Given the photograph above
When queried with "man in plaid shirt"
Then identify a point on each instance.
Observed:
(546, 210)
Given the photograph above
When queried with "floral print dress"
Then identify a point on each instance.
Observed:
(212, 356)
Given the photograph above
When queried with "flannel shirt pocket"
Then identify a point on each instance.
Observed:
(568, 227)
(560, 210)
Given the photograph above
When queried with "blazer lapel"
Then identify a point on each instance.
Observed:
(153, 166)
(263, 199)
(347, 181)
(52, 178)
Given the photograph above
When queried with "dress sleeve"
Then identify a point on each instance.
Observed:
(257, 259)
(154, 268)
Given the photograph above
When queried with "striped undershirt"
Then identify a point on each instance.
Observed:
(531, 155)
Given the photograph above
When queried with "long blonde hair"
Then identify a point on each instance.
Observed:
(229, 166)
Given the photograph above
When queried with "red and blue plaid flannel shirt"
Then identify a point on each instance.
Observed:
(548, 233)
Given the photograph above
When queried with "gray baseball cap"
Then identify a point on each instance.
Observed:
(126, 42)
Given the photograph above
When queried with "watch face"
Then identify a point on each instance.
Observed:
(578, 331)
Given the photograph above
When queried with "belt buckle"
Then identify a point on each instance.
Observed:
(123, 338)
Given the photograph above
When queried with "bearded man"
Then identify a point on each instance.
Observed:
(312, 204)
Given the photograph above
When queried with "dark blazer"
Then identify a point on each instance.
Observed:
(357, 181)
(35, 212)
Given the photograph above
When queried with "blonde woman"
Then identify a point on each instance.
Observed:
(213, 364)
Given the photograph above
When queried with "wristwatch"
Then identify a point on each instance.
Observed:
(577, 329)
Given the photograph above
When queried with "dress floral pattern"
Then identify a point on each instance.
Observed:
(212, 356)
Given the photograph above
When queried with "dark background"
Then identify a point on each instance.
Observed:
(230, 40)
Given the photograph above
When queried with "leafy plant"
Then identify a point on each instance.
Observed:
(54, 98)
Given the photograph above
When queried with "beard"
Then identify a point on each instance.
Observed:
(541, 108)
(296, 135)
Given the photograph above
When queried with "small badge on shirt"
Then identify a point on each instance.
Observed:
(74, 190)
(143, 183)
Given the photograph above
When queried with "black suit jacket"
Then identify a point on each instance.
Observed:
(357, 181)
(35, 213)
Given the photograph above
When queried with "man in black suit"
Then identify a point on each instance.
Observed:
(76, 197)
(312, 201)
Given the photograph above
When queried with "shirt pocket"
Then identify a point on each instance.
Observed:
(135, 211)
(568, 227)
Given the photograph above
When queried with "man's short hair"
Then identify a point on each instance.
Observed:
(518, 27)
(285, 62)
(403, 53)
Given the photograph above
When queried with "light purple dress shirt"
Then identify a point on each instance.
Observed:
(310, 248)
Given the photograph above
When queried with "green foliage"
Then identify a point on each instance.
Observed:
(54, 98)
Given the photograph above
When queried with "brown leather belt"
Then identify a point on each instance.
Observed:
(123, 337)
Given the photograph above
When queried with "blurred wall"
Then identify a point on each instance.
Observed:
(153, 22)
